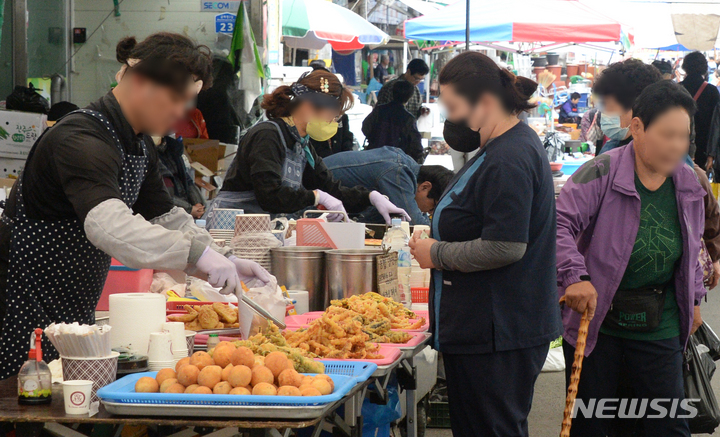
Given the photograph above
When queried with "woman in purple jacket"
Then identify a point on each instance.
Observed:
(628, 238)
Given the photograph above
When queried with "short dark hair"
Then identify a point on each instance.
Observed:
(665, 67)
(695, 64)
(438, 176)
(472, 74)
(625, 80)
(418, 66)
(402, 90)
(575, 96)
(60, 109)
(169, 59)
(503, 56)
(660, 97)
(318, 64)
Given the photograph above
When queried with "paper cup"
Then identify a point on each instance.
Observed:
(160, 347)
(77, 395)
(177, 335)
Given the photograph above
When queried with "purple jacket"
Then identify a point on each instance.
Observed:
(598, 216)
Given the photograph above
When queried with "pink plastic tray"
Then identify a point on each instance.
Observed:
(416, 339)
(303, 320)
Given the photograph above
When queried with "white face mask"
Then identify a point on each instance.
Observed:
(610, 125)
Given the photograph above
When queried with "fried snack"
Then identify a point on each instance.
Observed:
(208, 318)
(225, 312)
(220, 325)
(376, 308)
(185, 318)
(337, 334)
(190, 309)
(194, 325)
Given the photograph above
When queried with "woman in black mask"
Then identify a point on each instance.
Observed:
(463, 142)
(494, 296)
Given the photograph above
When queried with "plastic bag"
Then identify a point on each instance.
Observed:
(697, 386)
(27, 99)
(705, 335)
(555, 360)
(269, 296)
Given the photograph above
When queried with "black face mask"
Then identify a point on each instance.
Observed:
(460, 137)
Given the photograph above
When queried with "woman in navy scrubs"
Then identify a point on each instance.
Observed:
(493, 301)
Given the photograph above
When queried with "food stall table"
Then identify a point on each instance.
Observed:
(408, 379)
(11, 411)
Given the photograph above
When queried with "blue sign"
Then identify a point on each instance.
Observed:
(224, 23)
(220, 6)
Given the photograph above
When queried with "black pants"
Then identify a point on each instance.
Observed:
(491, 394)
(655, 370)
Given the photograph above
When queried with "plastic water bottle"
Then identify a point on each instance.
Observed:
(396, 240)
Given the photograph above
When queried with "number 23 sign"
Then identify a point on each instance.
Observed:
(224, 23)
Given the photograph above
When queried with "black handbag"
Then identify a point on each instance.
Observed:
(705, 335)
(638, 310)
(27, 99)
(698, 390)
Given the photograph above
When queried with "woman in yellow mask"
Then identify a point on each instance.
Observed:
(276, 169)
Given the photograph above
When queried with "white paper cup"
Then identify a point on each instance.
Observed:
(160, 347)
(301, 298)
(177, 334)
(76, 394)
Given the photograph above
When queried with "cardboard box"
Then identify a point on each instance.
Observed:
(19, 131)
(209, 153)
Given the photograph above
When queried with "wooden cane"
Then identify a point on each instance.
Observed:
(575, 375)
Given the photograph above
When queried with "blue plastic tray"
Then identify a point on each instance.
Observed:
(344, 375)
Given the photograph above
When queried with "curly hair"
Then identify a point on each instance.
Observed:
(695, 64)
(625, 80)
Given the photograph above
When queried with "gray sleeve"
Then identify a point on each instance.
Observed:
(179, 220)
(476, 255)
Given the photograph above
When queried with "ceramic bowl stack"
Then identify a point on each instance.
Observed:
(177, 338)
(256, 247)
(160, 355)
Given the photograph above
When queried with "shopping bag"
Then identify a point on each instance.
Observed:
(555, 360)
(699, 392)
(705, 335)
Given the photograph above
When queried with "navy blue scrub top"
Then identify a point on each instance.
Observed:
(505, 193)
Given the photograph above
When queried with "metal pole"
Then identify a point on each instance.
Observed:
(19, 40)
(467, 24)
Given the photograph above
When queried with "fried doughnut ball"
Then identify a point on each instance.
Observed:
(165, 374)
(310, 391)
(328, 379)
(201, 360)
(259, 360)
(226, 372)
(202, 390)
(322, 386)
(167, 383)
(290, 377)
(261, 374)
(242, 356)
(276, 362)
(226, 344)
(191, 388)
(222, 388)
(240, 376)
(288, 390)
(240, 391)
(264, 389)
(183, 362)
(209, 376)
(222, 355)
(146, 384)
(188, 375)
(176, 388)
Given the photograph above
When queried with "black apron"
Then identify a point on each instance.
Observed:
(56, 274)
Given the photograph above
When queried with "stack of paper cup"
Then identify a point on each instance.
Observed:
(160, 354)
(177, 337)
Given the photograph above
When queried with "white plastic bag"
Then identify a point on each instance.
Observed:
(555, 361)
(269, 296)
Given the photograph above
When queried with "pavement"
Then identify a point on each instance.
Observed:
(549, 400)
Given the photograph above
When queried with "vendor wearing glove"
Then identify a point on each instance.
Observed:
(276, 169)
(91, 190)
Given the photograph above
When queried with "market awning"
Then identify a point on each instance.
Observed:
(516, 21)
(424, 7)
(311, 24)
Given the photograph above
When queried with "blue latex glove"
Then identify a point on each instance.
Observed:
(248, 270)
(221, 272)
(331, 204)
(385, 207)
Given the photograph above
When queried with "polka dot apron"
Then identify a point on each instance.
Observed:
(56, 274)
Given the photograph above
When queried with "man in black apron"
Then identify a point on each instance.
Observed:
(91, 189)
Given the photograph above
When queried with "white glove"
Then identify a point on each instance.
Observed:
(331, 204)
(385, 207)
(221, 272)
(248, 270)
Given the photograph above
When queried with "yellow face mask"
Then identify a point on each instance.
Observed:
(321, 130)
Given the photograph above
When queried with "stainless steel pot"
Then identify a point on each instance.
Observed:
(351, 272)
(302, 268)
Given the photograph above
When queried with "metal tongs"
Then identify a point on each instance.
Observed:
(257, 308)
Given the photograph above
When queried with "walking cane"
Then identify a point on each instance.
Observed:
(575, 375)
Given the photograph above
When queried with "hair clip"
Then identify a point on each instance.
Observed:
(324, 85)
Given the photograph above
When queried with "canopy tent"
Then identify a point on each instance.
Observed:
(311, 24)
(516, 21)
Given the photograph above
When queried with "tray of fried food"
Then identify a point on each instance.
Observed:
(215, 316)
(375, 307)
